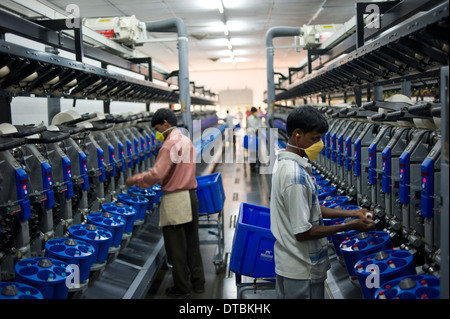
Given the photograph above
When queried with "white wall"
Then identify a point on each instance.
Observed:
(253, 79)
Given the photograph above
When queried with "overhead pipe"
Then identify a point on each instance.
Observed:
(177, 25)
(270, 34)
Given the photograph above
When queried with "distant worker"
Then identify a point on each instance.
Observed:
(239, 115)
(253, 121)
(229, 120)
(260, 112)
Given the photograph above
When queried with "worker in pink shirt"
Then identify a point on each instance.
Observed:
(174, 170)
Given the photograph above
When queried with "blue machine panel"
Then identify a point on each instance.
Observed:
(101, 167)
(22, 193)
(372, 164)
(47, 184)
(348, 153)
(340, 150)
(333, 148)
(328, 145)
(404, 178)
(427, 180)
(386, 178)
(83, 171)
(112, 160)
(121, 157)
(357, 168)
(67, 176)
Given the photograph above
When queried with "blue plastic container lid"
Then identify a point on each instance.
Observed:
(132, 200)
(18, 290)
(144, 192)
(389, 262)
(119, 208)
(410, 287)
(106, 220)
(41, 270)
(90, 233)
(364, 241)
(322, 183)
(69, 248)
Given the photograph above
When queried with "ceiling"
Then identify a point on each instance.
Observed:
(247, 21)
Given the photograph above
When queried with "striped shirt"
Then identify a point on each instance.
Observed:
(294, 209)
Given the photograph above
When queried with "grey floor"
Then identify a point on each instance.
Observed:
(243, 184)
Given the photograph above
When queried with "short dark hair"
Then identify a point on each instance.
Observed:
(307, 119)
(253, 109)
(162, 115)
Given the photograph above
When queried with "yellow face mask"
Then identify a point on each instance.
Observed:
(313, 151)
(160, 136)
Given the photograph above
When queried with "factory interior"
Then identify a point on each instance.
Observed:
(80, 82)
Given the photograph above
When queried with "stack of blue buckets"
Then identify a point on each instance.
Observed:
(380, 271)
(69, 262)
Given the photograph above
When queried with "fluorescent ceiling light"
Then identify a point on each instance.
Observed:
(230, 46)
(220, 6)
(225, 29)
(234, 25)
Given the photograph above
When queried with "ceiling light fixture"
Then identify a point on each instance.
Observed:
(220, 6)
(230, 46)
(225, 29)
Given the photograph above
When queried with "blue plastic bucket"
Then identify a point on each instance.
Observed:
(335, 202)
(139, 203)
(114, 223)
(127, 212)
(327, 191)
(252, 254)
(157, 189)
(374, 270)
(99, 237)
(322, 183)
(72, 251)
(210, 193)
(18, 290)
(148, 193)
(361, 245)
(410, 287)
(48, 275)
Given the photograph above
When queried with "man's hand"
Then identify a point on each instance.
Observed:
(361, 224)
(362, 213)
(129, 182)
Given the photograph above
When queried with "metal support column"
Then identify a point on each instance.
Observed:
(53, 107)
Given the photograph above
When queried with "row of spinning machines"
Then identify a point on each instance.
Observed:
(385, 157)
(53, 178)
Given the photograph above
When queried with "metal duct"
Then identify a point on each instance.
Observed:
(177, 25)
(273, 33)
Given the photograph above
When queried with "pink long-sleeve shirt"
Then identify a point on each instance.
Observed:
(174, 167)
